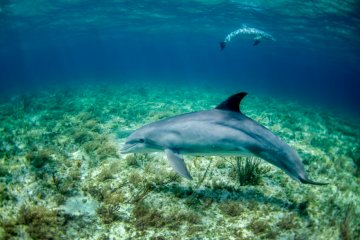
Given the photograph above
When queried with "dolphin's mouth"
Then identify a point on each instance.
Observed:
(127, 148)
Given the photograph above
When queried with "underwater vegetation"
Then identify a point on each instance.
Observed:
(39, 158)
(249, 171)
(62, 177)
(35, 223)
(346, 230)
(356, 159)
(146, 217)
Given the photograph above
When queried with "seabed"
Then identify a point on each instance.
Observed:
(62, 176)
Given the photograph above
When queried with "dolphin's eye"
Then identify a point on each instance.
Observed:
(141, 140)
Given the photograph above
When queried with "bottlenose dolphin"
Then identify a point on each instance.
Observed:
(220, 131)
(256, 34)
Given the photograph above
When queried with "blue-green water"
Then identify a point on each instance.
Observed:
(78, 76)
(316, 55)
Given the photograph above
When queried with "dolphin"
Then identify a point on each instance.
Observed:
(222, 131)
(257, 35)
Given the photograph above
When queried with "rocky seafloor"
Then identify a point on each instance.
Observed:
(62, 176)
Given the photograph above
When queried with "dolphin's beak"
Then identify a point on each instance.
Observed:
(126, 148)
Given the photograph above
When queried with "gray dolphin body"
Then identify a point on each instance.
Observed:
(217, 132)
(257, 35)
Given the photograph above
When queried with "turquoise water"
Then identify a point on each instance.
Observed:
(77, 77)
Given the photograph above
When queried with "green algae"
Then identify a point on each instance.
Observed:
(231, 208)
(249, 171)
(259, 227)
(147, 216)
(137, 160)
(53, 153)
(347, 231)
(4, 194)
(4, 172)
(108, 213)
(42, 223)
(38, 159)
(38, 223)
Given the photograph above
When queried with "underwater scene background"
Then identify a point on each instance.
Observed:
(78, 76)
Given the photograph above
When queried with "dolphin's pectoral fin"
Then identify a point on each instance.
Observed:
(232, 103)
(178, 163)
(257, 40)
(222, 45)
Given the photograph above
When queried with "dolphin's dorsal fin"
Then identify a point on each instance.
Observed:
(178, 163)
(232, 103)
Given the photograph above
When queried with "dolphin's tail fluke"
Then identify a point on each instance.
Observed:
(222, 45)
(306, 180)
